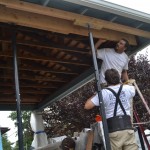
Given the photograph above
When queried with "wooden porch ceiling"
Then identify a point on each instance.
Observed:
(53, 49)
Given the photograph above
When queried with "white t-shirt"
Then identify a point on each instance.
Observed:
(126, 95)
(112, 59)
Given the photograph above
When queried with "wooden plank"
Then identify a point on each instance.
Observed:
(45, 58)
(58, 25)
(24, 98)
(29, 91)
(96, 24)
(29, 86)
(10, 101)
(39, 68)
(34, 78)
(79, 19)
(47, 46)
(89, 140)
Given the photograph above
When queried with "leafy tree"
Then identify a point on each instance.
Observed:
(68, 115)
(6, 143)
(27, 131)
(139, 69)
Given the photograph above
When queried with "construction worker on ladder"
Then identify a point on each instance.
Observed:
(117, 99)
(114, 58)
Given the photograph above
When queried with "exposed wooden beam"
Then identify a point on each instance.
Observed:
(33, 84)
(29, 99)
(39, 68)
(46, 58)
(79, 19)
(82, 59)
(48, 42)
(47, 46)
(68, 66)
(9, 101)
(38, 86)
(34, 78)
(26, 75)
(23, 91)
(45, 22)
(96, 23)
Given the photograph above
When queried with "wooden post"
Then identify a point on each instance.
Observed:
(89, 140)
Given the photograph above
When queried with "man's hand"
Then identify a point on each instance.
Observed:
(99, 42)
(130, 81)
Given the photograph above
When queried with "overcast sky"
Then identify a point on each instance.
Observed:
(7, 122)
(140, 5)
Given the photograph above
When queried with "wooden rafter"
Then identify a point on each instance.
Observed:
(45, 58)
(34, 78)
(38, 86)
(53, 20)
(78, 19)
(47, 45)
(31, 91)
(29, 99)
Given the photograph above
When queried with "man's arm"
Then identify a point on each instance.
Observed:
(124, 76)
(89, 104)
(99, 42)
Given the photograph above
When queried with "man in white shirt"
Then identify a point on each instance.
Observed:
(116, 100)
(114, 58)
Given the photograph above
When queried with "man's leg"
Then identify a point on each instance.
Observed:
(116, 140)
(130, 142)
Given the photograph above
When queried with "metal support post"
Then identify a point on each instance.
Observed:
(101, 104)
(19, 116)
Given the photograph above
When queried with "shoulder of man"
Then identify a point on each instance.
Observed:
(126, 86)
(105, 49)
(125, 55)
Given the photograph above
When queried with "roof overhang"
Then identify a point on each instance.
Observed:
(114, 8)
(31, 20)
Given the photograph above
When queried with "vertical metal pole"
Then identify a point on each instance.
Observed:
(101, 108)
(19, 116)
(141, 139)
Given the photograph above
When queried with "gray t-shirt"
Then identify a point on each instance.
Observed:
(112, 59)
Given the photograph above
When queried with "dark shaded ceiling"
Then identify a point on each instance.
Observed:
(54, 60)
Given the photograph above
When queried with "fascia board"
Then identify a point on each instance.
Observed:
(114, 8)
